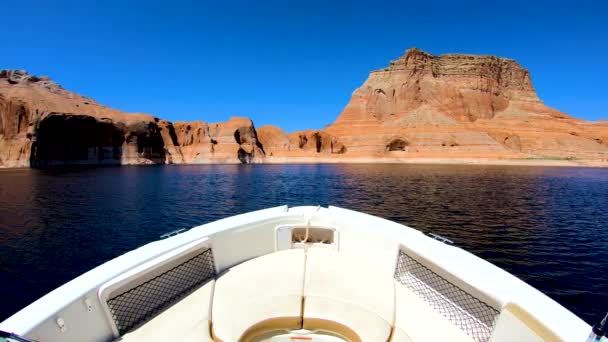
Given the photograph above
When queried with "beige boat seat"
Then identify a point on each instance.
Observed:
(258, 296)
(346, 293)
(317, 289)
(188, 320)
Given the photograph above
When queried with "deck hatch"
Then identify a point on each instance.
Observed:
(471, 315)
(144, 301)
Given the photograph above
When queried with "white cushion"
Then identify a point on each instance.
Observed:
(187, 320)
(266, 288)
(350, 290)
(416, 321)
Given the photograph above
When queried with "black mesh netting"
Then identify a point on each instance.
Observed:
(470, 314)
(144, 301)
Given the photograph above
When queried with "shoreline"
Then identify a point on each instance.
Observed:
(365, 160)
(443, 161)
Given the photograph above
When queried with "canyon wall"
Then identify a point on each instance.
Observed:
(458, 105)
(226, 142)
(42, 124)
(420, 106)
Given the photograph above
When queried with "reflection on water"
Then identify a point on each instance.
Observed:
(545, 225)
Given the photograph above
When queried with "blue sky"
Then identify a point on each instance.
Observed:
(288, 63)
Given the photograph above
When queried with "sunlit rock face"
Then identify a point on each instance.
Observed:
(457, 105)
(420, 106)
(459, 87)
(233, 141)
(42, 124)
(308, 143)
(318, 142)
(273, 139)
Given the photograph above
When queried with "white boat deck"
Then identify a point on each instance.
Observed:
(264, 276)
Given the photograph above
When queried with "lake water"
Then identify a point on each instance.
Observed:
(548, 226)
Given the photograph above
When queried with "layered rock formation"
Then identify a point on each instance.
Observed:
(420, 106)
(226, 142)
(308, 143)
(459, 106)
(42, 124)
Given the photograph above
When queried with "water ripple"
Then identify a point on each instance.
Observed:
(545, 225)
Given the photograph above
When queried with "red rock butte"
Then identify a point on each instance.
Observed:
(421, 108)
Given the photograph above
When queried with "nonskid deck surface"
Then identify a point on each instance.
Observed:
(317, 289)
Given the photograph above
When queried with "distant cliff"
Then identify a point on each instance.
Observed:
(420, 106)
(42, 124)
(458, 105)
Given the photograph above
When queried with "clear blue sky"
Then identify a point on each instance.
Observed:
(293, 64)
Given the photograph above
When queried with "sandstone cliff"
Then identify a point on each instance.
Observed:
(420, 106)
(459, 106)
(308, 143)
(43, 124)
(226, 142)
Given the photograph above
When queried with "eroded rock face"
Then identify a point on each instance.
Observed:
(224, 142)
(41, 124)
(274, 140)
(397, 144)
(316, 142)
(461, 87)
(65, 139)
(420, 106)
(458, 105)
(309, 143)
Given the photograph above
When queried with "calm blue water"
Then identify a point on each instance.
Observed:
(546, 225)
